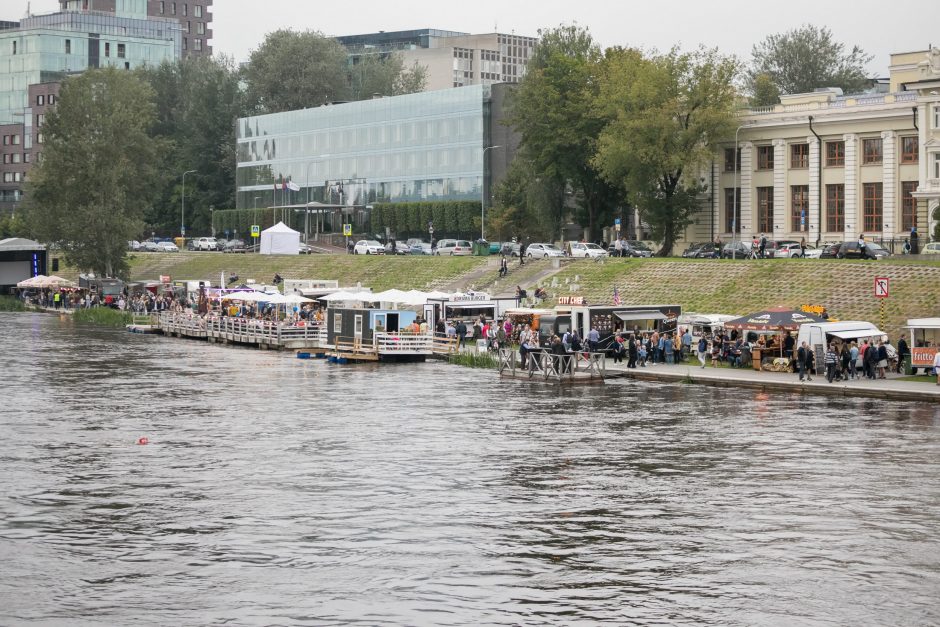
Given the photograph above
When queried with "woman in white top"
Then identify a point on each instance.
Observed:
(936, 366)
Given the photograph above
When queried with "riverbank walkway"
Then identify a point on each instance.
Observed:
(892, 388)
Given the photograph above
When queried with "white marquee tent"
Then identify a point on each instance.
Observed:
(280, 239)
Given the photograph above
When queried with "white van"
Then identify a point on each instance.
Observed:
(819, 334)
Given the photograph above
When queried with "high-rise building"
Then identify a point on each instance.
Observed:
(193, 16)
(452, 59)
(37, 53)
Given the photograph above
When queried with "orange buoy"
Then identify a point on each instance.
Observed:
(143, 441)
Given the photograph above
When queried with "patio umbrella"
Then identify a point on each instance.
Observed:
(54, 281)
(297, 299)
(778, 319)
(344, 296)
(31, 282)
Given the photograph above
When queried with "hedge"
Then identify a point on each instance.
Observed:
(450, 218)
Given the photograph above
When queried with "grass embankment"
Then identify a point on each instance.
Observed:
(377, 272)
(844, 287)
(9, 303)
(104, 316)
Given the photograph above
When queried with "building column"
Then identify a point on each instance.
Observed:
(932, 205)
(745, 177)
(717, 195)
(781, 206)
(813, 210)
(890, 216)
(853, 221)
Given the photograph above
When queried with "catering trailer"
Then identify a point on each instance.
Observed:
(467, 307)
(610, 320)
(925, 340)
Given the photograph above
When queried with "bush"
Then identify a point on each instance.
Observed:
(10, 303)
(104, 316)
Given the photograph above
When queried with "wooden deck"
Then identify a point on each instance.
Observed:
(569, 369)
(263, 334)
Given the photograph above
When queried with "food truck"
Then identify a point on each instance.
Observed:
(924, 343)
(467, 307)
(573, 313)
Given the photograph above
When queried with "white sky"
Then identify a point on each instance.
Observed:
(879, 27)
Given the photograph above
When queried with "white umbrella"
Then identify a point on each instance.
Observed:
(435, 295)
(54, 281)
(297, 299)
(32, 282)
(392, 296)
(344, 296)
(248, 297)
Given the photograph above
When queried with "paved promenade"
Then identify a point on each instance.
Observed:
(892, 388)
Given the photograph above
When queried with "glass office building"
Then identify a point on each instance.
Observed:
(417, 147)
(47, 48)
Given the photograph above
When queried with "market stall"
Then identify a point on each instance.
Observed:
(770, 328)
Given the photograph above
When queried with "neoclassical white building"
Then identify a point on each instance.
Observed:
(827, 167)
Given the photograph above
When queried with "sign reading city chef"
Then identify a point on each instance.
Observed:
(571, 300)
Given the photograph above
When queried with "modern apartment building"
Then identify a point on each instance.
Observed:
(37, 53)
(828, 167)
(452, 59)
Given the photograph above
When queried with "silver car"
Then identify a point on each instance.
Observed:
(540, 250)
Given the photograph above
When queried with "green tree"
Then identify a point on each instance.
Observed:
(806, 58)
(666, 113)
(764, 92)
(13, 226)
(198, 103)
(296, 70)
(553, 112)
(373, 75)
(526, 206)
(98, 168)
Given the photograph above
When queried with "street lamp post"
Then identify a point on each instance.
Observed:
(183, 206)
(483, 192)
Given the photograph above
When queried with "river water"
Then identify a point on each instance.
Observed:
(284, 491)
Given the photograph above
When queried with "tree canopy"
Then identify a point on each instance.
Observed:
(298, 70)
(552, 110)
(98, 169)
(666, 112)
(803, 59)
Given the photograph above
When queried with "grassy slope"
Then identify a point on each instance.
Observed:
(703, 285)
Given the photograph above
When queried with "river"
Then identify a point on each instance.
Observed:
(282, 491)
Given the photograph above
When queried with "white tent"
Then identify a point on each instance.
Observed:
(349, 297)
(280, 239)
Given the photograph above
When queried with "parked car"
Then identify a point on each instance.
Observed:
(235, 246)
(707, 251)
(789, 249)
(736, 250)
(586, 250)
(206, 243)
(812, 253)
(453, 247)
(773, 247)
(541, 250)
(167, 247)
(495, 247)
(830, 251)
(932, 248)
(368, 247)
(510, 249)
(304, 249)
(401, 248)
(421, 248)
(636, 248)
(851, 250)
(149, 246)
(133, 245)
(692, 250)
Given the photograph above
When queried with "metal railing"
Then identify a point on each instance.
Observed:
(548, 366)
(403, 343)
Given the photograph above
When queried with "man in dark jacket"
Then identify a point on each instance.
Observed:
(804, 357)
(902, 352)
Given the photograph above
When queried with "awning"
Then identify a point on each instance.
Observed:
(640, 315)
(854, 334)
(470, 304)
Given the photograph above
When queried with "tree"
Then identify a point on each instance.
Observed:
(666, 113)
(296, 70)
(807, 58)
(526, 206)
(198, 103)
(553, 112)
(373, 75)
(12, 226)
(97, 171)
(764, 92)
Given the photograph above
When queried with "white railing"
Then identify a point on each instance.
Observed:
(541, 364)
(242, 330)
(403, 343)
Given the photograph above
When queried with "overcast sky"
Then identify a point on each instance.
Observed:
(879, 27)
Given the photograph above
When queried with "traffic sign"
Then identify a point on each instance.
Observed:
(881, 287)
(255, 230)
(617, 221)
(347, 230)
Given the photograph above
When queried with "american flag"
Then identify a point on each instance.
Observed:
(616, 296)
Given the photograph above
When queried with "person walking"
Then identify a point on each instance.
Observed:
(831, 360)
(902, 353)
(631, 352)
(853, 361)
(882, 362)
(503, 267)
(762, 245)
(702, 349)
(804, 356)
(594, 339)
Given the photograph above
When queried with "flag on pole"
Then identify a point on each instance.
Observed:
(292, 186)
(616, 296)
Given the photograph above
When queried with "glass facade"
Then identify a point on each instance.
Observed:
(47, 48)
(424, 146)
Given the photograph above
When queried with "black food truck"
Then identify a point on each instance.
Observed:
(607, 319)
